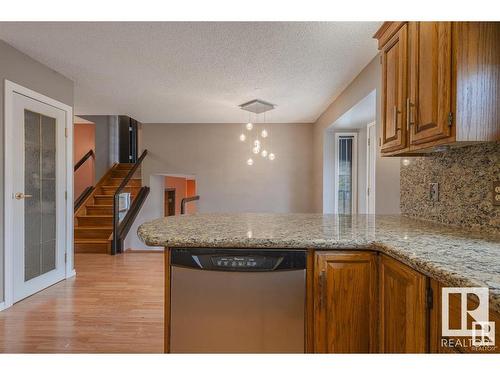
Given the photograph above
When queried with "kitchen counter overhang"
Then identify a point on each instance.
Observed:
(452, 256)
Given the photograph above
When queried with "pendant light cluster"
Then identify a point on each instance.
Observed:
(254, 135)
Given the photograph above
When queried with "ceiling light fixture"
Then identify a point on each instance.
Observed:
(257, 107)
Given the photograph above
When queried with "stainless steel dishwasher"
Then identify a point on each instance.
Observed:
(237, 301)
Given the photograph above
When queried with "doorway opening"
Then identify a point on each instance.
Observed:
(177, 189)
(349, 160)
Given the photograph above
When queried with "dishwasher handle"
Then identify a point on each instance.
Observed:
(239, 260)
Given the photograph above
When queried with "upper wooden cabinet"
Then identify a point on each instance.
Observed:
(394, 56)
(403, 308)
(440, 84)
(429, 103)
(345, 302)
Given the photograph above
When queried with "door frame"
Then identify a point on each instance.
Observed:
(370, 178)
(354, 182)
(10, 89)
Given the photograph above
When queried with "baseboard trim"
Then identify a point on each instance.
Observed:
(71, 274)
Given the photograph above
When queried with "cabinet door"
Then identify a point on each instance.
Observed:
(430, 81)
(403, 312)
(394, 56)
(345, 286)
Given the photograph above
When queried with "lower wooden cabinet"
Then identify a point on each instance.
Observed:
(403, 308)
(345, 303)
(367, 302)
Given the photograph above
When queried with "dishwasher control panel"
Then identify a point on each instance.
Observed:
(238, 260)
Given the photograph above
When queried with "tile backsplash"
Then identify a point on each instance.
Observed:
(465, 176)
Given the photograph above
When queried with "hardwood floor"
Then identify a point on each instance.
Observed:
(113, 305)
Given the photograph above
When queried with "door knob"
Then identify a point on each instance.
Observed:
(19, 196)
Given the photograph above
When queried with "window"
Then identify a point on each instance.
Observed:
(345, 173)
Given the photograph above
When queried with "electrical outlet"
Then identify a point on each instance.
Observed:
(496, 193)
(434, 192)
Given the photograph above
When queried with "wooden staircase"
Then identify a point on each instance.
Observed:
(94, 218)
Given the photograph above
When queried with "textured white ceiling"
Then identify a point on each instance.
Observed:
(200, 71)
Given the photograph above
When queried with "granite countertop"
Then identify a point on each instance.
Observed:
(455, 257)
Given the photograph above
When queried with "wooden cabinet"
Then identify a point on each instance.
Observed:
(429, 103)
(440, 84)
(345, 303)
(403, 310)
(394, 56)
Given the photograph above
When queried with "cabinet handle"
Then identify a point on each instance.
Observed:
(409, 123)
(322, 291)
(396, 118)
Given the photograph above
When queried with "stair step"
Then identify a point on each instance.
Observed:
(110, 190)
(95, 220)
(127, 166)
(102, 209)
(101, 199)
(106, 199)
(92, 246)
(117, 173)
(98, 233)
(118, 181)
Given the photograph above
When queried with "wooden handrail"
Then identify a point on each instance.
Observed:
(135, 207)
(78, 202)
(80, 162)
(186, 200)
(116, 244)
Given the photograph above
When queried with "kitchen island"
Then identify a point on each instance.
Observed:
(441, 255)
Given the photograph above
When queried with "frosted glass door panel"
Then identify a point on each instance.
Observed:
(40, 190)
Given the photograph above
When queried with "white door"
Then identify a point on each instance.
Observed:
(38, 195)
(371, 154)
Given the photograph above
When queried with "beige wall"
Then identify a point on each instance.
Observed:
(21, 69)
(387, 169)
(214, 156)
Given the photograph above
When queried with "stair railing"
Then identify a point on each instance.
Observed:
(88, 190)
(186, 200)
(120, 229)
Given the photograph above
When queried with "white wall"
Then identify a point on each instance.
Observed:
(213, 154)
(387, 168)
(153, 208)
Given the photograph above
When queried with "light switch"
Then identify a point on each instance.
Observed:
(434, 191)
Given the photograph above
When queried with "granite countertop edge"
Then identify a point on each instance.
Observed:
(419, 263)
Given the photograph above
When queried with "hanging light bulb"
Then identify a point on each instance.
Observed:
(256, 143)
(249, 126)
(250, 161)
(256, 149)
(264, 133)
(264, 153)
(243, 137)
(272, 156)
